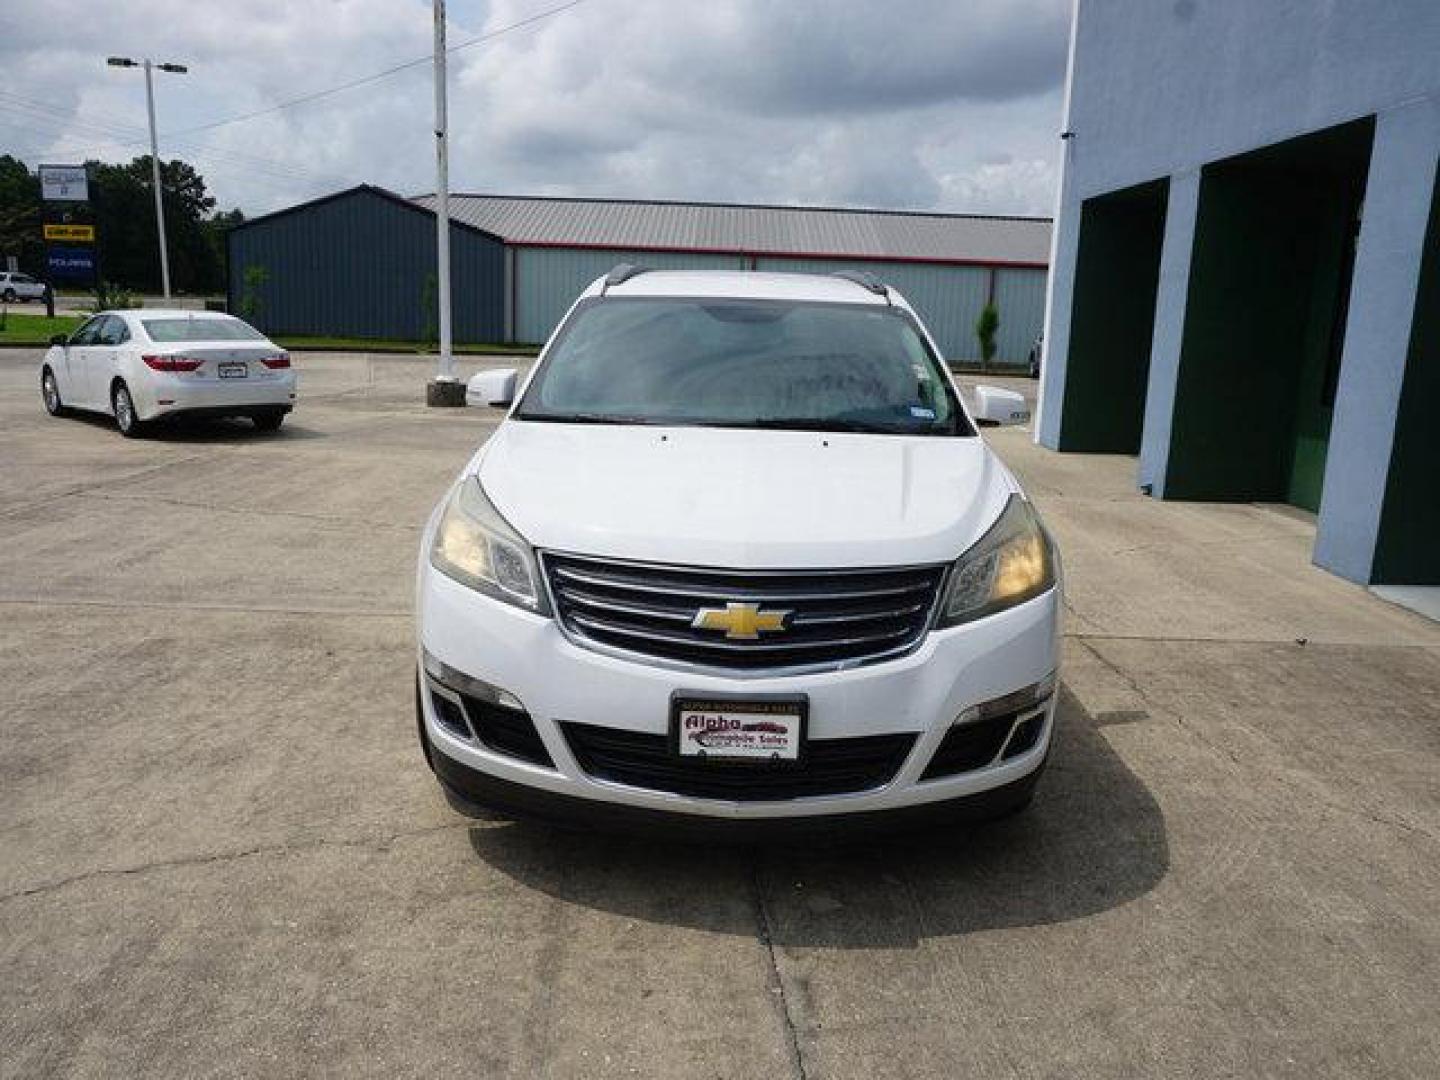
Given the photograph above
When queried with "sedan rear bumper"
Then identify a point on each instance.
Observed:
(180, 395)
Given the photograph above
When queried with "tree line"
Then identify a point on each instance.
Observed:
(122, 208)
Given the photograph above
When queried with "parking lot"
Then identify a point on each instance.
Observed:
(221, 853)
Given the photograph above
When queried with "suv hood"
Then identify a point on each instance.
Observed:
(743, 498)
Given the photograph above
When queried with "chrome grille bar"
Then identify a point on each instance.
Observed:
(814, 619)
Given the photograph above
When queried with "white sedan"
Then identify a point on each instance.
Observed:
(145, 365)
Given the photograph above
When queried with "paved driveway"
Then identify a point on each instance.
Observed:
(220, 853)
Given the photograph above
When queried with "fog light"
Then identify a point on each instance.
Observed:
(461, 683)
(1017, 701)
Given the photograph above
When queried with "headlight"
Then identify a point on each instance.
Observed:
(479, 548)
(1010, 564)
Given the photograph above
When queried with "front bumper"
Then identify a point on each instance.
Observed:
(920, 694)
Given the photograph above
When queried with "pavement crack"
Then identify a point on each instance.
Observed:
(85, 489)
(1241, 762)
(379, 844)
(228, 608)
(1133, 685)
(775, 982)
(195, 504)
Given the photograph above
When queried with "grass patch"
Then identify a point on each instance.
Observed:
(23, 329)
(300, 344)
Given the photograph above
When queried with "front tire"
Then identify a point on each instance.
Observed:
(9, 296)
(50, 394)
(130, 425)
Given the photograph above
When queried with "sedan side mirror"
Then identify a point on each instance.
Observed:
(59, 339)
(495, 387)
(994, 406)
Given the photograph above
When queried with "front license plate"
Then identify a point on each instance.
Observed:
(233, 371)
(739, 729)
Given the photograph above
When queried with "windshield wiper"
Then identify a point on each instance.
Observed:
(584, 418)
(805, 423)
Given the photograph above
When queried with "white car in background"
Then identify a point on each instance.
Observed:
(15, 287)
(738, 557)
(145, 365)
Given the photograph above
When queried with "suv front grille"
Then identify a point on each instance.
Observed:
(829, 767)
(807, 618)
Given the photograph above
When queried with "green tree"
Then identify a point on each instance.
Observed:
(252, 300)
(20, 233)
(122, 208)
(216, 228)
(125, 224)
(985, 328)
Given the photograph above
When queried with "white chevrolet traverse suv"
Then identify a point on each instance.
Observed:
(737, 558)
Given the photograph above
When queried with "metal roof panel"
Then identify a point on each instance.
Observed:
(760, 230)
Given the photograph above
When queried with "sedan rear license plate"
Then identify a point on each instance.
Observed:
(739, 729)
(234, 371)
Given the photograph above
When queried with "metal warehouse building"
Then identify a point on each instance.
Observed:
(1246, 281)
(360, 263)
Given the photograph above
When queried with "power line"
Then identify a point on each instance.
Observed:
(377, 76)
(121, 137)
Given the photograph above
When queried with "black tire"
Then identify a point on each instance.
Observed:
(268, 421)
(9, 296)
(130, 425)
(50, 394)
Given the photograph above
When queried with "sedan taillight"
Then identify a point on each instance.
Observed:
(275, 363)
(172, 363)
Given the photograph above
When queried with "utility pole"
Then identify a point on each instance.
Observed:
(176, 69)
(445, 390)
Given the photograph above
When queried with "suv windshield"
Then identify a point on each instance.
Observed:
(162, 330)
(744, 363)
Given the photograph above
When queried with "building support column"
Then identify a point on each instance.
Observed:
(1059, 296)
(1388, 255)
(1169, 334)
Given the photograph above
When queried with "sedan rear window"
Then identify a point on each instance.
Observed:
(744, 363)
(162, 330)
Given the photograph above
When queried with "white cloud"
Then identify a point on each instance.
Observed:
(927, 103)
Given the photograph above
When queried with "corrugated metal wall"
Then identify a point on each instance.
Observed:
(1020, 297)
(949, 300)
(358, 266)
(547, 280)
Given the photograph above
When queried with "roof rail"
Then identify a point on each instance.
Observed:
(865, 280)
(621, 273)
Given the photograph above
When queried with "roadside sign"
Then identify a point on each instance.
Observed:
(71, 263)
(64, 183)
(85, 233)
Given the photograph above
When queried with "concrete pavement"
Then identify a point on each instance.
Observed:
(220, 853)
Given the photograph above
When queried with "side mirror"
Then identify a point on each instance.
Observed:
(59, 339)
(993, 406)
(495, 387)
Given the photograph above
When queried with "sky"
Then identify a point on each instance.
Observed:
(908, 104)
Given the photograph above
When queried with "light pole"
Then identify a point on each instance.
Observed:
(175, 69)
(445, 389)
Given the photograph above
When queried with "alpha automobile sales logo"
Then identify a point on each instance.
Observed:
(718, 731)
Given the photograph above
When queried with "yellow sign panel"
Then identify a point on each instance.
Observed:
(70, 232)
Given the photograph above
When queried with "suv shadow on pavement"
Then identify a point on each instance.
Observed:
(1093, 839)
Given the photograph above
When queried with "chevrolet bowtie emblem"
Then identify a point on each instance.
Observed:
(741, 622)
